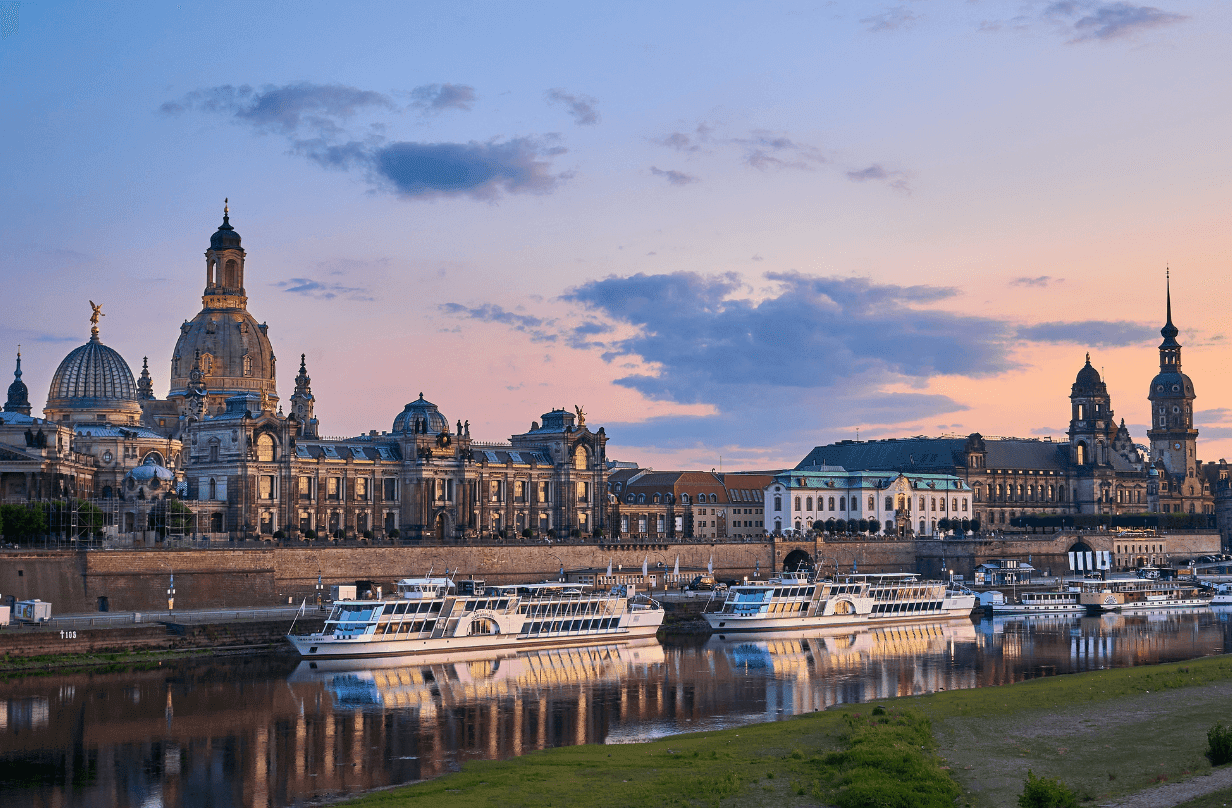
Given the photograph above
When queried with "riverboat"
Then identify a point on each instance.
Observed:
(1051, 602)
(798, 600)
(1222, 595)
(433, 615)
(1142, 594)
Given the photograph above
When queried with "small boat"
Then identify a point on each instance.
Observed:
(798, 600)
(1051, 602)
(432, 615)
(1142, 594)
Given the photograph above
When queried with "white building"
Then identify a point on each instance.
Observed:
(830, 498)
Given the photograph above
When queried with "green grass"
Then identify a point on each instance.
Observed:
(11, 667)
(1216, 799)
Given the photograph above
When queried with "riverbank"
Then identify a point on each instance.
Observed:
(1128, 737)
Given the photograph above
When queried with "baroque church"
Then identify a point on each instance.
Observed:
(222, 444)
(1097, 470)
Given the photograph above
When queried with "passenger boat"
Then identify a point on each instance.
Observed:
(1142, 594)
(798, 600)
(1051, 602)
(432, 615)
(1222, 595)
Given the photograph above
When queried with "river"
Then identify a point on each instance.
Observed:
(276, 732)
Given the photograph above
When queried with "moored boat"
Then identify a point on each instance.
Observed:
(433, 615)
(1142, 594)
(1050, 602)
(794, 601)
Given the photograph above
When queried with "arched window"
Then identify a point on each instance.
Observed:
(656, 499)
(831, 503)
(714, 497)
(231, 274)
(778, 506)
(934, 503)
(954, 504)
(797, 503)
(808, 502)
(213, 488)
(265, 448)
(924, 505)
(921, 527)
(581, 459)
(629, 498)
(641, 498)
(1081, 454)
(684, 499)
(872, 502)
(247, 365)
(842, 503)
(889, 503)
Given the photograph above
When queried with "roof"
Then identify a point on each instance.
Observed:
(92, 374)
(103, 430)
(347, 450)
(501, 456)
(941, 455)
(871, 479)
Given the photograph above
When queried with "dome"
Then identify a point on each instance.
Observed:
(93, 376)
(236, 354)
(418, 412)
(225, 238)
(1088, 381)
(1170, 385)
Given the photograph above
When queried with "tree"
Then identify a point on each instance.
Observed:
(310, 534)
(975, 525)
(943, 524)
(874, 526)
(830, 526)
(966, 525)
(840, 525)
(526, 533)
(395, 533)
(22, 523)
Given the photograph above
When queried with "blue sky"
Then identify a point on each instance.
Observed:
(726, 229)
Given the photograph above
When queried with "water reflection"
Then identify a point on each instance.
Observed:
(271, 732)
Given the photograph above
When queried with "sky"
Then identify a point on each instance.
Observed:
(729, 231)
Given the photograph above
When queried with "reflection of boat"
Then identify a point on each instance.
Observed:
(431, 615)
(795, 601)
(1051, 602)
(424, 681)
(1142, 594)
(782, 650)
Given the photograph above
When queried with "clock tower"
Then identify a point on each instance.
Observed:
(1172, 434)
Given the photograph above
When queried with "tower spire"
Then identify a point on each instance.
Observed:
(1168, 287)
(19, 395)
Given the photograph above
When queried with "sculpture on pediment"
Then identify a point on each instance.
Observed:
(581, 415)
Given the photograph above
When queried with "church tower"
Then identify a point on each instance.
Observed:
(1173, 438)
(235, 353)
(1091, 426)
(19, 394)
(302, 401)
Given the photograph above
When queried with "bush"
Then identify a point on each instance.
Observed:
(395, 533)
(310, 534)
(280, 534)
(339, 534)
(1220, 740)
(575, 533)
(551, 533)
(526, 534)
(1046, 792)
(943, 524)
(367, 534)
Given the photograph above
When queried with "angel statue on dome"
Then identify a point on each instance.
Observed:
(98, 312)
(581, 415)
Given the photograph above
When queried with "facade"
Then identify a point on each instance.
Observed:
(832, 499)
(669, 505)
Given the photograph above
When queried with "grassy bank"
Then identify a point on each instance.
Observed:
(1107, 734)
(11, 667)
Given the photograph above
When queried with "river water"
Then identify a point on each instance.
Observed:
(275, 732)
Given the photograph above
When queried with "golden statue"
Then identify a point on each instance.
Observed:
(581, 416)
(98, 312)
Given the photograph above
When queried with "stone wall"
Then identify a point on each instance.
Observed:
(233, 578)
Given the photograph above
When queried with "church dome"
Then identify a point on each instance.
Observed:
(225, 238)
(236, 354)
(420, 412)
(93, 377)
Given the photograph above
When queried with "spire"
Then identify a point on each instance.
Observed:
(19, 395)
(1169, 331)
(226, 211)
(145, 385)
(302, 401)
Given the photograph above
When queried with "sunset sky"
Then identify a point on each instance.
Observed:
(728, 230)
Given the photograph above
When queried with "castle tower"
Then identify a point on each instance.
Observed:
(19, 394)
(145, 385)
(235, 352)
(1172, 434)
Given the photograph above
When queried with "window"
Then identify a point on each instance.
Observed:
(924, 505)
(391, 489)
(964, 503)
(331, 487)
(494, 491)
(213, 488)
(544, 492)
(872, 502)
(830, 502)
(778, 503)
(934, 503)
(954, 504)
(519, 489)
(305, 487)
(266, 486)
(265, 449)
(808, 504)
(842, 503)
(889, 503)
(797, 503)
(361, 488)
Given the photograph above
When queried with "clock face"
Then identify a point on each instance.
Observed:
(106, 457)
(1176, 446)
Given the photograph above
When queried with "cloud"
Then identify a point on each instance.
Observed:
(765, 150)
(894, 179)
(1040, 281)
(674, 177)
(581, 107)
(687, 143)
(1107, 21)
(323, 291)
(438, 97)
(892, 20)
(285, 110)
(480, 170)
(1094, 333)
(312, 118)
(535, 327)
